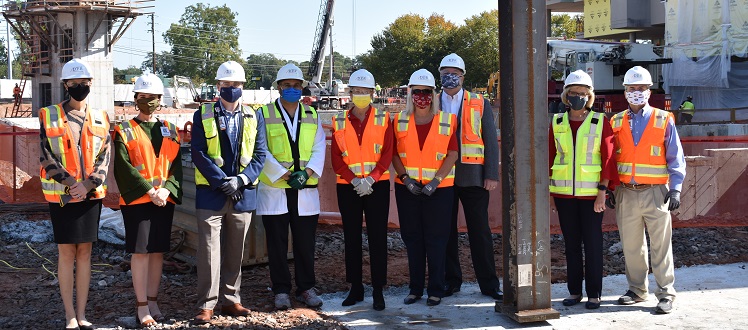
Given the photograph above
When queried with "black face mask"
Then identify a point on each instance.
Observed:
(79, 92)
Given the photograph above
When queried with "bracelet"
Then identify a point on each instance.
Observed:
(403, 176)
(438, 178)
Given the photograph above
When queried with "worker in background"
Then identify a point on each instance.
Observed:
(476, 174)
(148, 171)
(361, 154)
(424, 188)
(687, 110)
(581, 165)
(228, 149)
(651, 168)
(378, 89)
(74, 164)
(288, 188)
(17, 94)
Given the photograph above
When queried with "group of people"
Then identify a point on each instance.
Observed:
(639, 152)
(268, 162)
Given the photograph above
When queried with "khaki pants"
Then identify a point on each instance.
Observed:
(221, 237)
(635, 210)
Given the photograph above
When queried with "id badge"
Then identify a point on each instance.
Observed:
(165, 131)
(222, 124)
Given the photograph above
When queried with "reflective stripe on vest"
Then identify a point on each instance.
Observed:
(576, 169)
(471, 146)
(361, 158)
(213, 141)
(422, 165)
(279, 145)
(154, 169)
(643, 163)
(93, 136)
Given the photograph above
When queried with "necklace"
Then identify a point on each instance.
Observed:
(582, 116)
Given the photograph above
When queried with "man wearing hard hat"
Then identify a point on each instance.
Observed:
(651, 168)
(228, 149)
(288, 188)
(476, 174)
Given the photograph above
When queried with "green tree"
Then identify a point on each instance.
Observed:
(477, 42)
(264, 66)
(120, 74)
(203, 38)
(564, 26)
(397, 51)
(165, 64)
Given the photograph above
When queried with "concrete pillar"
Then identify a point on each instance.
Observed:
(549, 16)
(524, 161)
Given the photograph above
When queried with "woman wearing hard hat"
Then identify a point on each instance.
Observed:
(582, 166)
(423, 189)
(361, 154)
(148, 171)
(74, 163)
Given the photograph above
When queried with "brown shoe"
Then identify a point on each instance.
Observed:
(204, 316)
(234, 310)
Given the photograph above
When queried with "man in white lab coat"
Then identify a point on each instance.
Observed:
(287, 193)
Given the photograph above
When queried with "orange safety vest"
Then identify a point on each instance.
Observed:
(361, 158)
(154, 169)
(644, 163)
(471, 146)
(60, 139)
(422, 164)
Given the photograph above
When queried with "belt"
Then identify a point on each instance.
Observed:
(637, 186)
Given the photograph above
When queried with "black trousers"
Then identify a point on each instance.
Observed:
(581, 225)
(424, 227)
(352, 207)
(303, 233)
(685, 118)
(475, 206)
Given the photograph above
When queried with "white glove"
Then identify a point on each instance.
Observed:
(364, 187)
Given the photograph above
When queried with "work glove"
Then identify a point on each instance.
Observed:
(231, 185)
(364, 187)
(237, 196)
(413, 186)
(674, 197)
(298, 179)
(610, 202)
(430, 187)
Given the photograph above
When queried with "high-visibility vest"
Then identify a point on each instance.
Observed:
(78, 160)
(154, 169)
(688, 108)
(279, 144)
(471, 145)
(645, 162)
(576, 169)
(249, 135)
(361, 158)
(421, 165)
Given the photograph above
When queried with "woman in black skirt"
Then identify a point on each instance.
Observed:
(148, 170)
(74, 162)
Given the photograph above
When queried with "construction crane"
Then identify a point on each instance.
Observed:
(318, 96)
(324, 24)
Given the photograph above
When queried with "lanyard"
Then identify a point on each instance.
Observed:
(292, 125)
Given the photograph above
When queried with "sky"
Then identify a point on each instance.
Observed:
(286, 29)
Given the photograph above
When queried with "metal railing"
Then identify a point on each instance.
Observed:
(731, 116)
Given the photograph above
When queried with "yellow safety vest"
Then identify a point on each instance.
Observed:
(688, 108)
(583, 177)
(249, 134)
(280, 146)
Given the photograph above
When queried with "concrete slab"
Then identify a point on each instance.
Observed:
(709, 297)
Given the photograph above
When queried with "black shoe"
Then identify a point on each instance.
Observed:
(572, 301)
(410, 299)
(592, 305)
(433, 301)
(378, 299)
(86, 327)
(665, 306)
(495, 294)
(355, 295)
(451, 289)
(629, 298)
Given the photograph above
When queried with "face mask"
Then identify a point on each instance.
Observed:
(148, 105)
(361, 101)
(422, 100)
(291, 94)
(577, 102)
(450, 80)
(231, 94)
(79, 92)
(637, 97)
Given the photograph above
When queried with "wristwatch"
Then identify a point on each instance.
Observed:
(438, 178)
(602, 187)
(403, 176)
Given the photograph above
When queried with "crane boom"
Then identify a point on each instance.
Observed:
(324, 21)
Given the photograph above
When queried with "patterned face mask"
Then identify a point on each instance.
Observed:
(450, 80)
(638, 97)
(422, 100)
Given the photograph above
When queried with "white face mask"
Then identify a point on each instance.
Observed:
(637, 97)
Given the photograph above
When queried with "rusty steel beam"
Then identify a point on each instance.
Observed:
(524, 161)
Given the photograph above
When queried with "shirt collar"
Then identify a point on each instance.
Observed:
(646, 110)
(457, 96)
(223, 112)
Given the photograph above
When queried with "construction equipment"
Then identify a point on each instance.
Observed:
(208, 93)
(185, 94)
(334, 94)
(492, 88)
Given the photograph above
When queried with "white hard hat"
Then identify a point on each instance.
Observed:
(289, 71)
(452, 60)
(422, 77)
(578, 77)
(362, 78)
(76, 69)
(637, 76)
(149, 83)
(231, 71)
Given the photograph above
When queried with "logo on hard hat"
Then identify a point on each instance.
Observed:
(146, 83)
(77, 68)
(361, 78)
(451, 60)
(291, 71)
(423, 77)
(229, 71)
(637, 75)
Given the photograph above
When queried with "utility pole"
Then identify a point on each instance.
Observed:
(7, 50)
(331, 58)
(153, 42)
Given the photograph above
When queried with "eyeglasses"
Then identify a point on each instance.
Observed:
(71, 84)
(421, 91)
(230, 84)
(574, 94)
